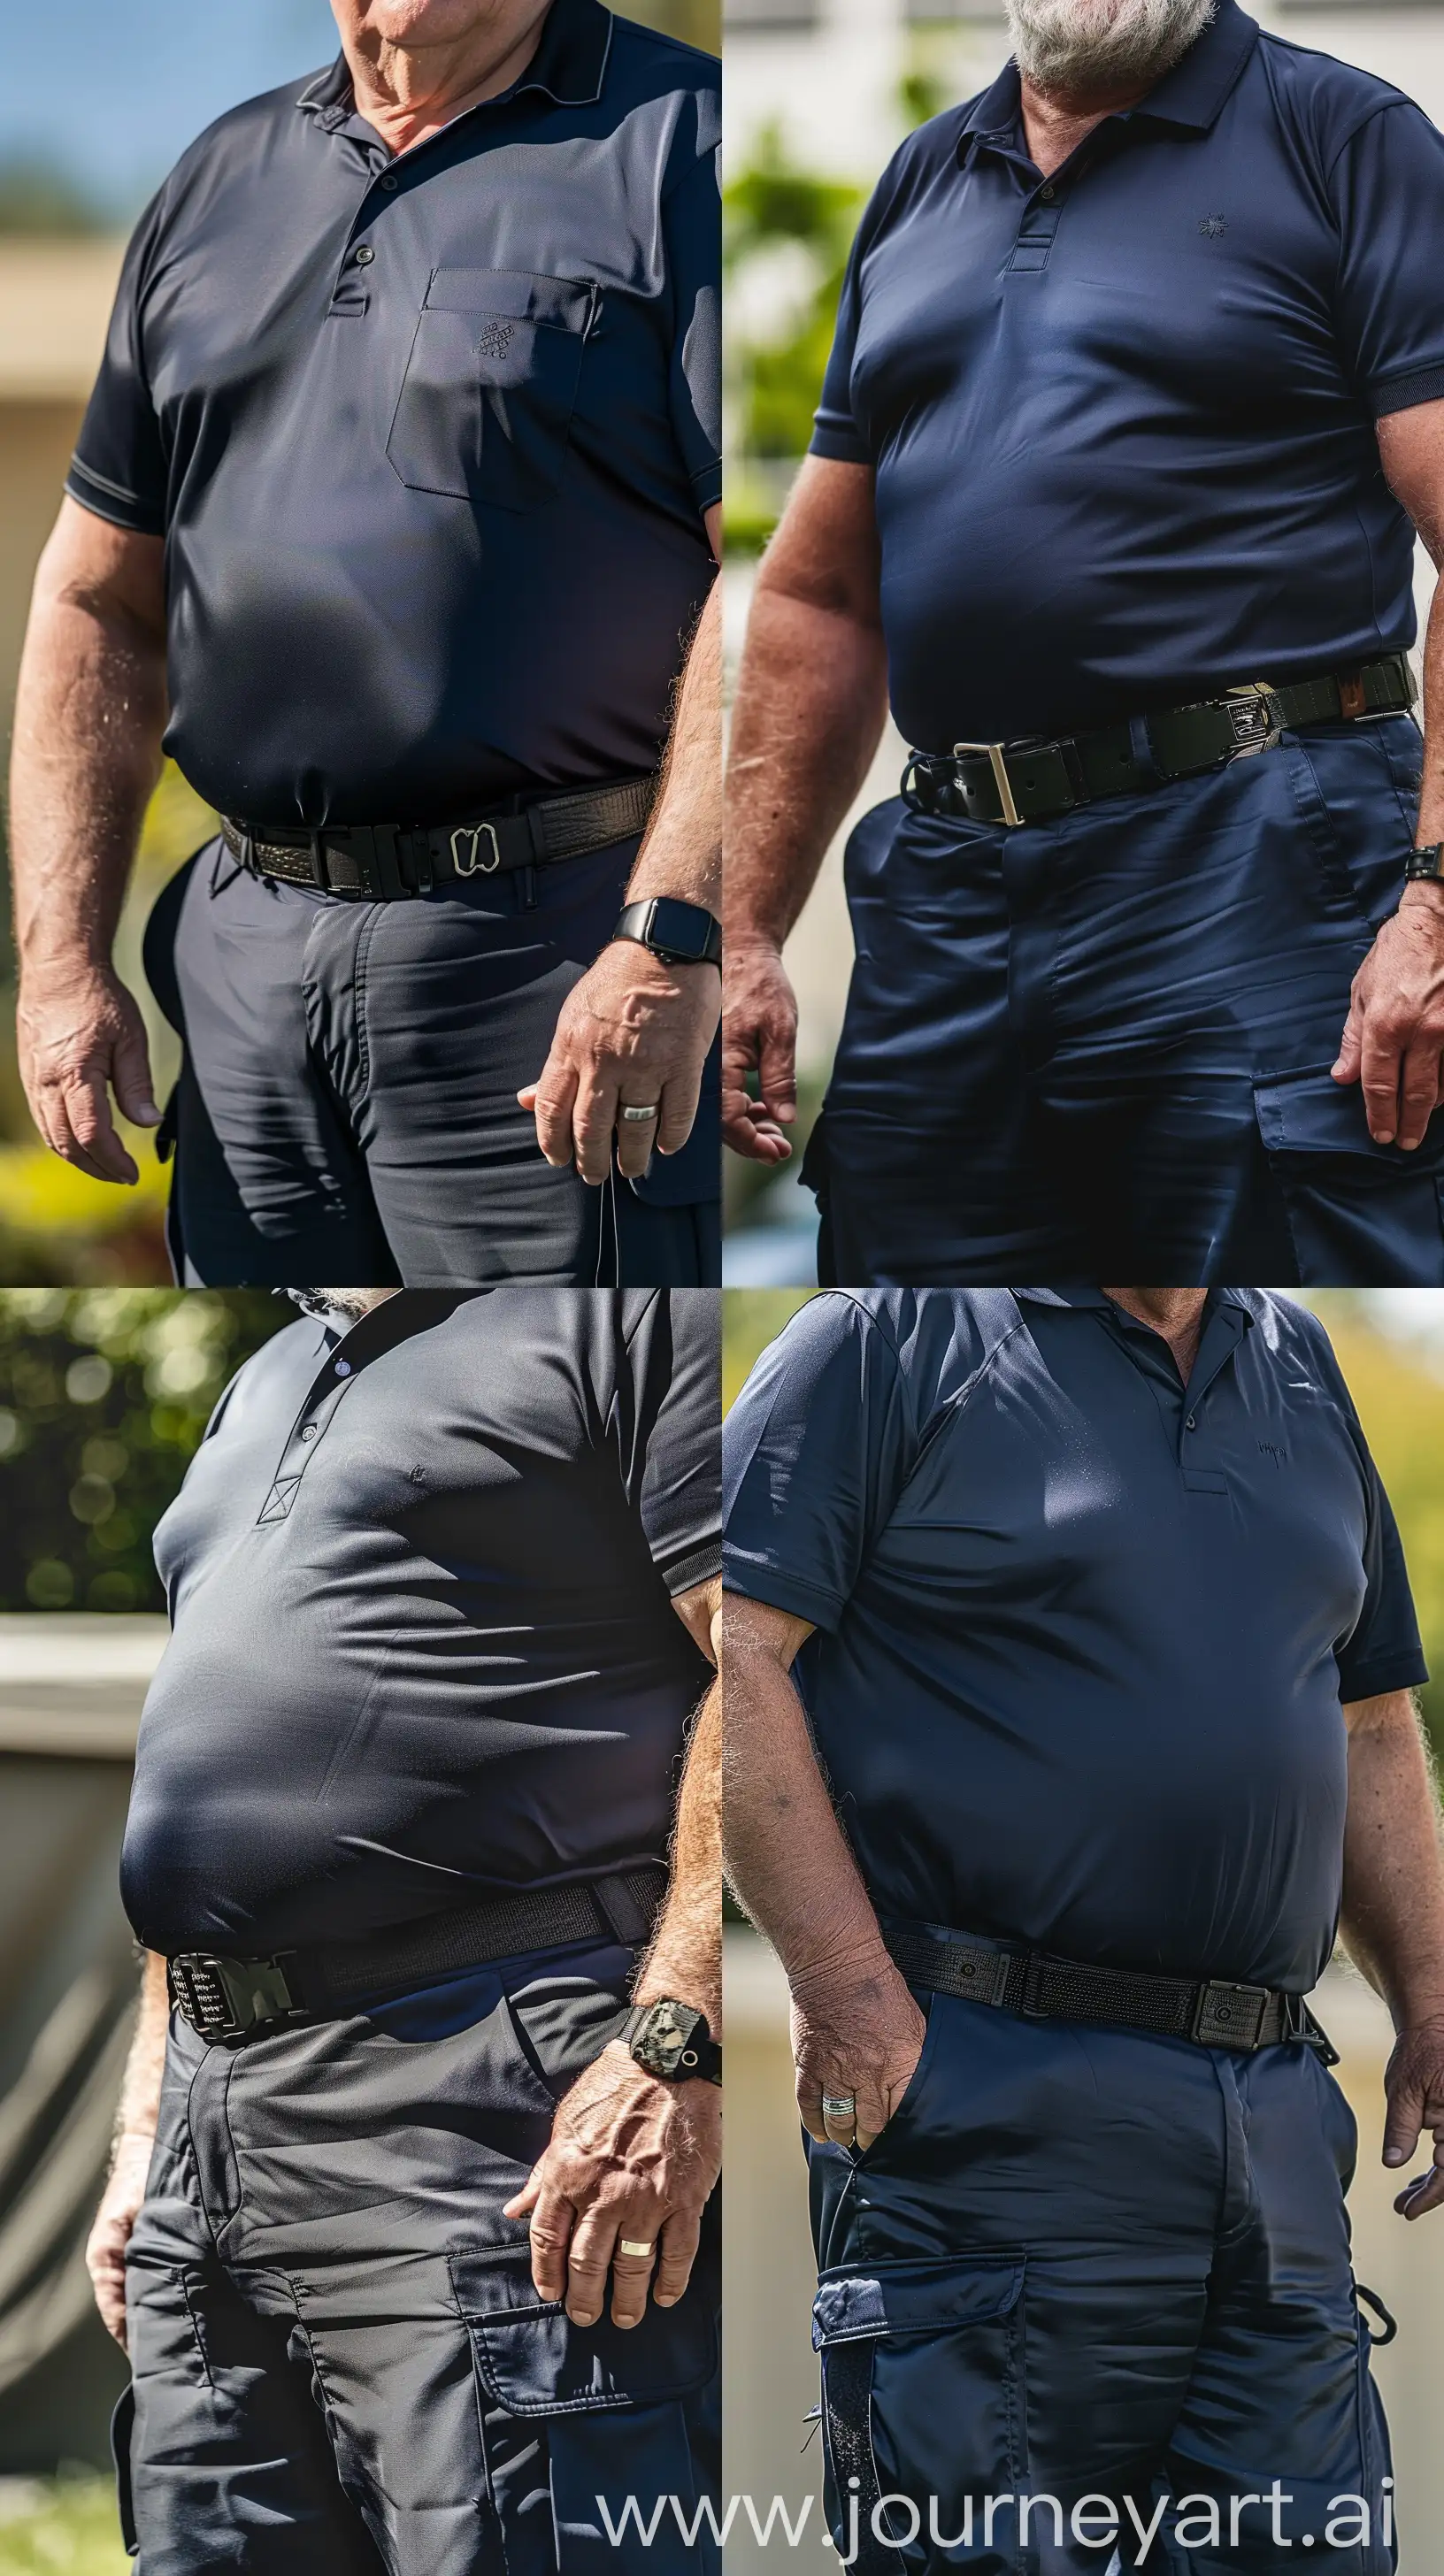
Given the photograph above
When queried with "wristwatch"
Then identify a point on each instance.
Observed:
(672, 2040)
(1428, 863)
(682, 933)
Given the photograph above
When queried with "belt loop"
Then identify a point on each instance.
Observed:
(1140, 743)
(319, 874)
(621, 1913)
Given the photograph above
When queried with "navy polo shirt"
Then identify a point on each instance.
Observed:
(1123, 423)
(419, 1577)
(429, 438)
(1082, 1634)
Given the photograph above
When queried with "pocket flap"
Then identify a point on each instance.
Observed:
(564, 302)
(1310, 1113)
(534, 2361)
(933, 2297)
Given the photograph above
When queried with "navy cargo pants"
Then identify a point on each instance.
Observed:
(347, 1102)
(1106, 1040)
(340, 2365)
(1094, 2269)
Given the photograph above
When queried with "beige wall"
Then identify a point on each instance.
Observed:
(771, 2375)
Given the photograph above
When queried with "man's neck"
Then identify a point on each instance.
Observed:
(1174, 1313)
(1055, 124)
(407, 93)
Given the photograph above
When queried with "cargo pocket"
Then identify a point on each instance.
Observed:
(486, 404)
(612, 2412)
(1360, 1215)
(923, 2411)
(122, 2427)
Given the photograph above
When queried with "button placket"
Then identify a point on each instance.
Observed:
(328, 1386)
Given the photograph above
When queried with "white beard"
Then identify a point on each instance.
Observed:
(1087, 48)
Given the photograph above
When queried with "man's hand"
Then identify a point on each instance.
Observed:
(1414, 2085)
(857, 2032)
(1394, 1033)
(114, 2220)
(81, 1035)
(759, 1033)
(634, 1032)
(629, 2157)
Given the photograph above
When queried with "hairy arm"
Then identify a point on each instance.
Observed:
(629, 2156)
(855, 2027)
(89, 714)
(636, 1030)
(1394, 1035)
(130, 2157)
(1393, 1921)
(811, 704)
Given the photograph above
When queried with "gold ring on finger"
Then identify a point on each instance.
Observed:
(626, 2245)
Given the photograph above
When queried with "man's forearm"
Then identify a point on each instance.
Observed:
(1393, 1905)
(140, 2087)
(786, 1854)
(682, 853)
(89, 714)
(685, 1959)
(811, 704)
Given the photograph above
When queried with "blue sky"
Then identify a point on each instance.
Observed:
(112, 90)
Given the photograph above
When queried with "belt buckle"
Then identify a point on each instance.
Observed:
(224, 1998)
(1253, 712)
(1229, 2016)
(996, 755)
(474, 866)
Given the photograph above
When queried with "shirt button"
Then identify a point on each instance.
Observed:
(1192, 1423)
(389, 183)
(1047, 195)
(365, 255)
(308, 1430)
(343, 1368)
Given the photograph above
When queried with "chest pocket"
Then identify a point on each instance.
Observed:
(491, 383)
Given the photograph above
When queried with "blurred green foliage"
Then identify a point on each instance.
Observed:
(1397, 1384)
(104, 1394)
(38, 197)
(72, 2530)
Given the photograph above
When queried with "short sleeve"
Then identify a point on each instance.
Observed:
(692, 227)
(118, 471)
(835, 431)
(1388, 190)
(815, 1452)
(1384, 1652)
(671, 1424)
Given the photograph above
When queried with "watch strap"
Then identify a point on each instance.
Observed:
(685, 934)
(1427, 863)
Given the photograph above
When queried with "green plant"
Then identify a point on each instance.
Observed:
(104, 1394)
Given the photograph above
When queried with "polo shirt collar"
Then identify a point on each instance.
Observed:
(1191, 94)
(569, 65)
(1084, 1294)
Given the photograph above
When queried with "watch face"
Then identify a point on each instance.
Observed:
(663, 2041)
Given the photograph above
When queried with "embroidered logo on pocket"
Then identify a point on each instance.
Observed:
(496, 339)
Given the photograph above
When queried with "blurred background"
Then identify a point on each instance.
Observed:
(819, 94)
(1390, 1344)
(96, 105)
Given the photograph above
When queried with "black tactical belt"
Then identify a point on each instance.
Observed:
(383, 862)
(234, 1999)
(1032, 779)
(1042, 1988)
